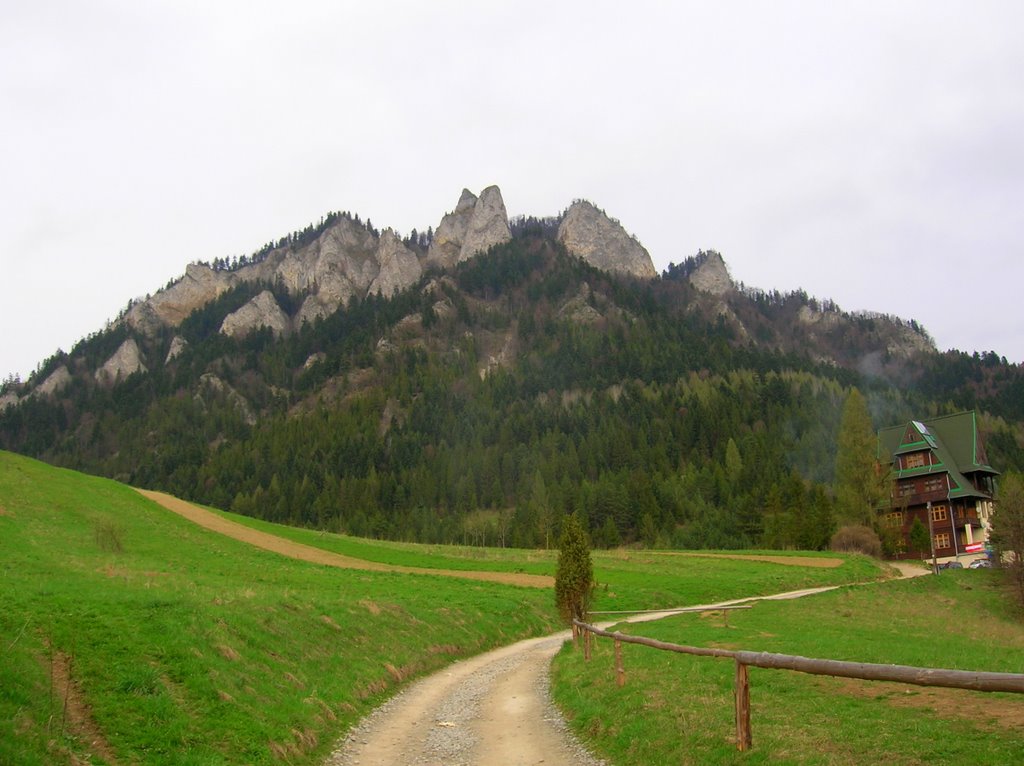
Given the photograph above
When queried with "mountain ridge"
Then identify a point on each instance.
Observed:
(490, 396)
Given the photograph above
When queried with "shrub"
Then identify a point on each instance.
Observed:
(108, 535)
(857, 539)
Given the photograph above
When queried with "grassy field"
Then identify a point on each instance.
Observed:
(185, 647)
(679, 709)
(130, 635)
(627, 579)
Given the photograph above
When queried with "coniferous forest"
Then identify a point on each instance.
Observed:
(484, 404)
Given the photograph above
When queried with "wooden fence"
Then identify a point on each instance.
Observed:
(955, 679)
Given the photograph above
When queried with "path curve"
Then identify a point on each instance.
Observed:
(269, 542)
(491, 710)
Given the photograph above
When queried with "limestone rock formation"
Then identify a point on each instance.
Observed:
(261, 311)
(712, 275)
(591, 235)
(909, 341)
(344, 261)
(399, 267)
(475, 225)
(488, 226)
(8, 399)
(178, 346)
(54, 383)
(126, 361)
(170, 306)
(446, 246)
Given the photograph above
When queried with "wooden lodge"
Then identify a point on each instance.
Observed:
(941, 477)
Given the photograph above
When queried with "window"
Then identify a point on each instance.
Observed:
(906, 488)
(936, 484)
(941, 540)
(913, 460)
(939, 513)
(894, 519)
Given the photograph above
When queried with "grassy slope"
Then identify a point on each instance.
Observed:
(679, 709)
(192, 648)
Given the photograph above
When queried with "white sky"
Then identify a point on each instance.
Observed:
(868, 152)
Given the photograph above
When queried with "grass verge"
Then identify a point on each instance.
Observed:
(679, 709)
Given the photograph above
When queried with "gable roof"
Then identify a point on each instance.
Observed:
(953, 439)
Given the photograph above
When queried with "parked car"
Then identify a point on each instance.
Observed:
(980, 564)
(951, 565)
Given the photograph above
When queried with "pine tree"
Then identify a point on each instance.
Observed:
(858, 486)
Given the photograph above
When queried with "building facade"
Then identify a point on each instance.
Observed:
(940, 477)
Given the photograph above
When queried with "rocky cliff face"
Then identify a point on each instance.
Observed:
(591, 235)
(712, 276)
(399, 267)
(488, 225)
(476, 224)
(126, 361)
(178, 346)
(8, 399)
(55, 382)
(261, 311)
(346, 260)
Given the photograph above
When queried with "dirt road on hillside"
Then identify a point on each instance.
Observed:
(491, 710)
(294, 550)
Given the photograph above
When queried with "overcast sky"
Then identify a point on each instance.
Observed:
(868, 152)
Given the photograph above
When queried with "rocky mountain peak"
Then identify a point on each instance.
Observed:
(488, 226)
(476, 224)
(588, 233)
(712, 275)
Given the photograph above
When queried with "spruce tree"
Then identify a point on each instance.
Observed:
(858, 486)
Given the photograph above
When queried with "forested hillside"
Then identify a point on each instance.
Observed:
(488, 400)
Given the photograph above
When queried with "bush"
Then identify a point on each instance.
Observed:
(108, 535)
(857, 539)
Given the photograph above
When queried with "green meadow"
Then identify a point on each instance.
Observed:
(627, 579)
(191, 648)
(130, 635)
(679, 709)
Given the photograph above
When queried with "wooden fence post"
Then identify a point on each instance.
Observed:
(586, 644)
(744, 739)
(620, 670)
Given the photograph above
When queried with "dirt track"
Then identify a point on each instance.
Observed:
(489, 710)
(295, 550)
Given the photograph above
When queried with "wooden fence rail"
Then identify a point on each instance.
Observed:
(955, 679)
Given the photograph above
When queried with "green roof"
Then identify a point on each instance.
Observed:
(954, 441)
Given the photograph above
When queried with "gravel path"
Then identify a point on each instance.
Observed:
(491, 710)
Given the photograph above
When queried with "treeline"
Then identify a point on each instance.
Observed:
(653, 420)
